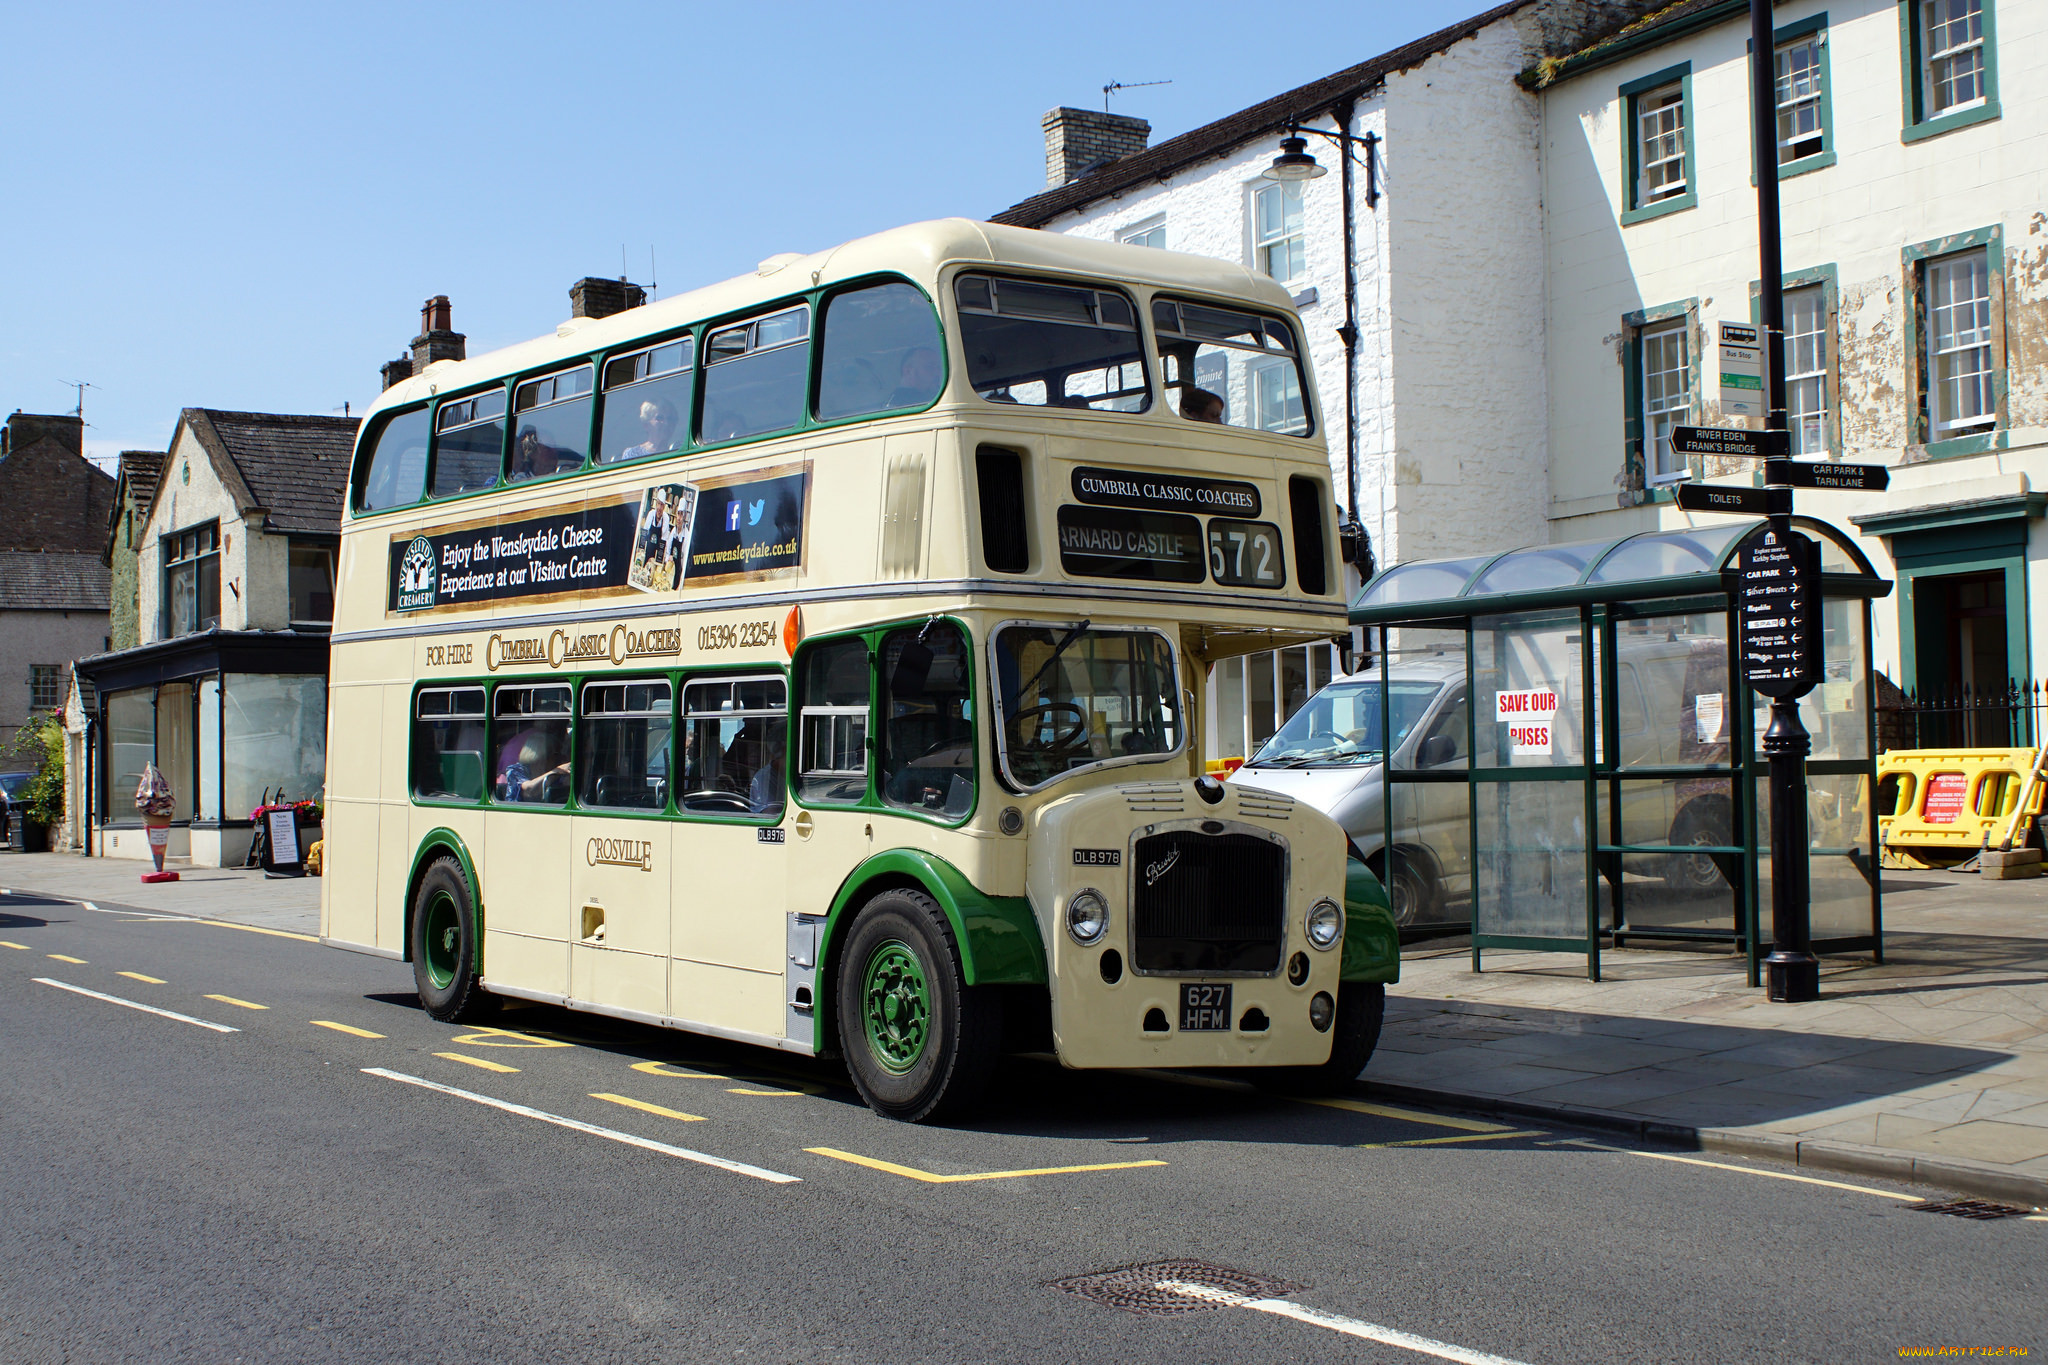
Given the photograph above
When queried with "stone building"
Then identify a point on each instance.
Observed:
(134, 486)
(225, 688)
(1913, 170)
(53, 586)
(1418, 275)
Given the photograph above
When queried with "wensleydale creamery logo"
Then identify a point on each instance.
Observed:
(416, 575)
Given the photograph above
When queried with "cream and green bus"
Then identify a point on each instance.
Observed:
(813, 660)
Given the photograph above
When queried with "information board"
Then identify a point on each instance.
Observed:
(1775, 581)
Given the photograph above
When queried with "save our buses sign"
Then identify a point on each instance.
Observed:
(647, 540)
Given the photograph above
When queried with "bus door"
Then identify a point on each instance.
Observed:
(619, 867)
(728, 883)
(525, 863)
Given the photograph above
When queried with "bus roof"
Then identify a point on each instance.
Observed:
(919, 251)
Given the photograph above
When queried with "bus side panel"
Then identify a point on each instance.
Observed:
(727, 997)
(726, 897)
(618, 885)
(395, 842)
(348, 891)
(524, 864)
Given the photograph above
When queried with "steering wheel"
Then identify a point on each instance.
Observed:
(1330, 735)
(1076, 732)
(714, 798)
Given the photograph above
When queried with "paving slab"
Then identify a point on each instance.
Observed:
(242, 895)
(1933, 1062)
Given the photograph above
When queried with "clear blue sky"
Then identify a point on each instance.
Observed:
(243, 207)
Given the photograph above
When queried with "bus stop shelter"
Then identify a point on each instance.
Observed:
(1602, 782)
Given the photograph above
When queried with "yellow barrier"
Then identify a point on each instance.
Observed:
(1222, 767)
(1946, 804)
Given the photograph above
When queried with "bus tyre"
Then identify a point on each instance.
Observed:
(444, 946)
(919, 1041)
(1361, 1006)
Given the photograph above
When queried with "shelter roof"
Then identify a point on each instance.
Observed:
(1646, 566)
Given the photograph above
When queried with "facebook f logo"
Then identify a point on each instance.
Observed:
(732, 516)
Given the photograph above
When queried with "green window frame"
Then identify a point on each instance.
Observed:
(1915, 262)
(1635, 452)
(1636, 97)
(1809, 87)
(1825, 279)
(1917, 21)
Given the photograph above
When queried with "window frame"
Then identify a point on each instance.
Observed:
(1917, 124)
(1824, 278)
(679, 741)
(170, 559)
(604, 360)
(593, 395)
(582, 683)
(1630, 94)
(1130, 234)
(1260, 245)
(996, 275)
(365, 457)
(821, 304)
(751, 321)
(412, 720)
(37, 673)
(502, 386)
(1814, 28)
(1914, 261)
(1635, 450)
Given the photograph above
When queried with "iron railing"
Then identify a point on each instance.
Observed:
(2009, 715)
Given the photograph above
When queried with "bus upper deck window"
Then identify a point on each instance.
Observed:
(754, 376)
(470, 443)
(1250, 363)
(647, 401)
(1051, 345)
(393, 473)
(880, 351)
(551, 420)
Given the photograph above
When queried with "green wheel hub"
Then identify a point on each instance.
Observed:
(896, 1002)
(443, 940)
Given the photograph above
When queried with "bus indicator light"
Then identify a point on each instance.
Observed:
(792, 630)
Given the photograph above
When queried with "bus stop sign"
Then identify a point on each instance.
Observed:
(1775, 582)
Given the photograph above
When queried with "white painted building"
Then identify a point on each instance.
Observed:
(1913, 176)
(1437, 435)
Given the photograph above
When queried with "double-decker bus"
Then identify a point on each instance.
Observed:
(813, 660)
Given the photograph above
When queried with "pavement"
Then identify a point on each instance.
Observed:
(1931, 1067)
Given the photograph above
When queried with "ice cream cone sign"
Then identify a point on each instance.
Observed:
(154, 800)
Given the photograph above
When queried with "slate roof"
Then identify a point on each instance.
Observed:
(1268, 117)
(1661, 25)
(294, 466)
(141, 468)
(31, 580)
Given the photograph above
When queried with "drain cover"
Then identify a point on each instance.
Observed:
(1135, 1288)
(1969, 1208)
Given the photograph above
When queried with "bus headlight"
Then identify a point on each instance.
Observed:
(1087, 917)
(1324, 924)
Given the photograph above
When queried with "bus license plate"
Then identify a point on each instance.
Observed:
(1204, 1007)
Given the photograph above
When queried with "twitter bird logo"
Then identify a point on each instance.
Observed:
(754, 510)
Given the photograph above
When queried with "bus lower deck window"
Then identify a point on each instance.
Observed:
(623, 760)
(448, 744)
(530, 735)
(735, 732)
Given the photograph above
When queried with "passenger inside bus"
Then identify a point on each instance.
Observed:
(539, 771)
(919, 380)
(533, 458)
(658, 417)
(764, 791)
(1200, 405)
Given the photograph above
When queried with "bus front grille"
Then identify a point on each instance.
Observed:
(1208, 903)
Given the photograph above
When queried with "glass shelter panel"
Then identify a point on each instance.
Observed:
(1531, 840)
(1838, 835)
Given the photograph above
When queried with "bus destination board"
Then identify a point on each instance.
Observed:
(1109, 542)
(1776, 584)
(1151, 492)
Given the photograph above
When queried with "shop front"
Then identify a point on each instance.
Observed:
(229, 717)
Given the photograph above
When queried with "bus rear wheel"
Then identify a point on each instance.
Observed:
(1361, 1009)
(919, 1041)
(445, 946)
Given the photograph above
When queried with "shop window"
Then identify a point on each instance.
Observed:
(273, 737)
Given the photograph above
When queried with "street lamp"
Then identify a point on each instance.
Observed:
(1294, 163)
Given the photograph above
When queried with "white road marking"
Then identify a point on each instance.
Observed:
(90, 906)
(1350, 1327)
(137, 1005)
(1739, 1170)
(630, 1139)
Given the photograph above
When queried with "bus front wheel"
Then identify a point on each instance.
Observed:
(444, 946)
(918, 1040)
(1361, 1009)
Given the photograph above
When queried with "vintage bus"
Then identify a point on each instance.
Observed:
(813, 660)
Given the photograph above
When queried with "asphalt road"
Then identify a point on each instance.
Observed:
(298, 1189)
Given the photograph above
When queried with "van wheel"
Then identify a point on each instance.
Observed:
(919, 1041)
(1409, 893)
(1361, 1009)
(1702, 826)
(445, 946)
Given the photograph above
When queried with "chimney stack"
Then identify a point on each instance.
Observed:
(436, 341)
(592, 297)
(1078, 141)
(396, 371)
